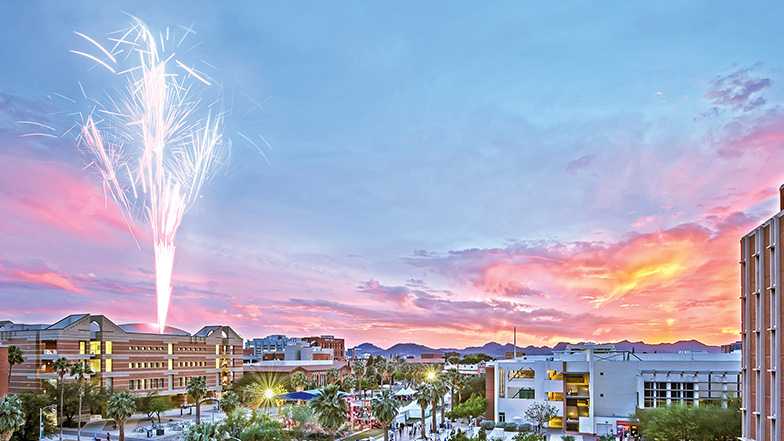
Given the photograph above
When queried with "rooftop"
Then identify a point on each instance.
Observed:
(149, 328)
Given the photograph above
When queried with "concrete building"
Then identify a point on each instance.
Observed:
(762, 273)
(596, 388)
(270, 343)
(281, 347)
(132, 357)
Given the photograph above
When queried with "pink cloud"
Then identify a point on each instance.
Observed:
(54, 196)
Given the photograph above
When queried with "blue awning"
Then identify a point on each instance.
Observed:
(298, 396)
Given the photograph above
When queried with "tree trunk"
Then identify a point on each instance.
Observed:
(443, 409)
(121, 426)
(79, 418)
(198, 413)
(61, 410)
(433, 416)
(386, 434)
(424, 424)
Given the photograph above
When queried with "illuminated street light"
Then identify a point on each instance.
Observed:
(269, 394)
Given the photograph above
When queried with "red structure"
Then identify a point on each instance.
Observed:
(338, 345)
(4, 368)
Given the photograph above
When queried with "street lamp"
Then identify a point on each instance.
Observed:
(430, 375)
(269, 394)
(41, 420)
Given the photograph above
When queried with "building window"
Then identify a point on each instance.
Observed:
(525, 373)
(524, 393)
(501, 417)
(108, 364)
(107, 345)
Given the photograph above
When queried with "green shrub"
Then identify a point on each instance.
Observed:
(528, 436)
(487, 424)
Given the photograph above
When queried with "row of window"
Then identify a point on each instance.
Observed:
(191, 364)
(147, 384)
(181, 382)
(192, 349)
(146, 365)
(147, 348)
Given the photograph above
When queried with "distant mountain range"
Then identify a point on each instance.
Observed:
(497, 350)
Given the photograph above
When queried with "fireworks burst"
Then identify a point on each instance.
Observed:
(155, 143)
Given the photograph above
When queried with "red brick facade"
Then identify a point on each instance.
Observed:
(338, 345)
(126, 357)
(4, 367)
(762, 276)
(490, 392)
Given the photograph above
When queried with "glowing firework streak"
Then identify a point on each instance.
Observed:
(154, 144)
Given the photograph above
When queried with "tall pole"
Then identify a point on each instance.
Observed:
(514, 342)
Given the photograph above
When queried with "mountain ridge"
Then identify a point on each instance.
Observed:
(498, 350)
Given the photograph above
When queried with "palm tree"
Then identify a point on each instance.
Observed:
(61, 367)
(11, 416)
(229, 401)
(197, 389)
(423, 396)
(347, 383)
(80, 371)
(439, 390)
(15, 356)
(298, 380)
(384, 408)
(460, 383)
(120, 407)
(450, 378)
(331, 408)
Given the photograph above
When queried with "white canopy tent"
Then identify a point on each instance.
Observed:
(405, 392)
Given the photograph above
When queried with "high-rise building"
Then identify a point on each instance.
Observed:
(762, 274)
(132, 357)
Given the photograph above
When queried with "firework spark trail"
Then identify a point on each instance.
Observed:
(152, 144)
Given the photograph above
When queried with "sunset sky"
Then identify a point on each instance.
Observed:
(438, 172)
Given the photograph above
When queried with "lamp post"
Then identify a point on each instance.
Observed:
(269, 394)
(41, 420)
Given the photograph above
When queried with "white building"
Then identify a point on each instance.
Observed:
(467, 369)
(596, 389)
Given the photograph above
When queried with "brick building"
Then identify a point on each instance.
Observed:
(132, 357)
(762, 273)
(338, 345)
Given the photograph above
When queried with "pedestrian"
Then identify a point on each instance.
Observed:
(108, 436)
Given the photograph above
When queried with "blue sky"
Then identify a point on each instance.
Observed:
(407, 130)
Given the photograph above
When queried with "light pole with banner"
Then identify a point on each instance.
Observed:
(41, 425)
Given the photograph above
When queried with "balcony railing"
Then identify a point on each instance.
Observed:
(577, 391)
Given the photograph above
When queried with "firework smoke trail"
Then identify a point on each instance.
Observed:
(152, 143)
